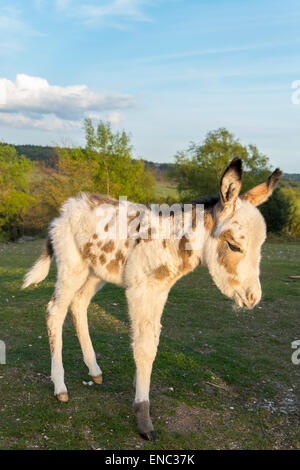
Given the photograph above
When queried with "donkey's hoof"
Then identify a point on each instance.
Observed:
(62, 397)
(148, 436)
(97, 379)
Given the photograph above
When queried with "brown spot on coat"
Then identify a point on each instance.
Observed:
(86, 250)
(208, 221)
(95, 236)
(98, 199)
(51, 340)
(120, 256)
(108, 246)
(130, 218)
(113, 266)
(164, 243)
(51, 335)
(102, 259)
(233, 282)
(93, 259)
(161, 272)
(106, 228)
(87, 253)
(227, 258)
(185, 255)
(127, 243)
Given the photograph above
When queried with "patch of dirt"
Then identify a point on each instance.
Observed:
(286, 401)
(285, 405)
(189, 419)
(277, 434)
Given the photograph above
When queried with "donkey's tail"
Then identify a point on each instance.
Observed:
(40, 269)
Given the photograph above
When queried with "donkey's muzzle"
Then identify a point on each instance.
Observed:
(248, 300)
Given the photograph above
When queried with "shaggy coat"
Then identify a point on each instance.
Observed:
(90, 249)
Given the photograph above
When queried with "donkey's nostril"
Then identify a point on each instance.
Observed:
(252, 298)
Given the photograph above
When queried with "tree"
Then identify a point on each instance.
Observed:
(198, 170)
(51, 187)
(15, 172)
(104, 166)
(292, 192)
(117, 174)
(277, 212)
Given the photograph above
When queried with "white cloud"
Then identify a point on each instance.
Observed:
(116, 119)
(33, 102)
(48, 123)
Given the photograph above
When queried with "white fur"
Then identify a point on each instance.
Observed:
(80, 274)
(38, 272)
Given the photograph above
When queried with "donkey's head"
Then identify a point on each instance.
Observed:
(237, 231)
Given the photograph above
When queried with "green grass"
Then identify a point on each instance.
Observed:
(222, 379)
(163, 191)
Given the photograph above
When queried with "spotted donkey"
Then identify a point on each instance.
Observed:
(234, 231)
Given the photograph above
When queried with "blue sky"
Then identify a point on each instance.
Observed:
(167, 71)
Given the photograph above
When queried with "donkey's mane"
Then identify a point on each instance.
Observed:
(208, 202)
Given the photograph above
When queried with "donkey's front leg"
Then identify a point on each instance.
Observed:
(145, 309)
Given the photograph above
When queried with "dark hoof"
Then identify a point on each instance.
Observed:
(148, 436)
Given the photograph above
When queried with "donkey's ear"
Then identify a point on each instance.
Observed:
(231, 182)
(263, 191)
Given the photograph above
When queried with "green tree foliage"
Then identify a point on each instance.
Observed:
(105, 166)
(15, 172)
(198, 170)
(40, 153)
(278, 212)
(292, 192)
(117, 174)
(72, 174)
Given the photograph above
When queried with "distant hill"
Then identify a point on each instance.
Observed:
(47, 155)
(291, 176)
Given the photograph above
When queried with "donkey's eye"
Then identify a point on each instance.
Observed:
(234, 247)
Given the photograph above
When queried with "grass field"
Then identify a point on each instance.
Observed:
(222, 379)
(163, 191)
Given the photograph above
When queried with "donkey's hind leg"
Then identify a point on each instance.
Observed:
(79, 307)
(68, 282)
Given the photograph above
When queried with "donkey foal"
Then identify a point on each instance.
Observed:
(147, 264)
